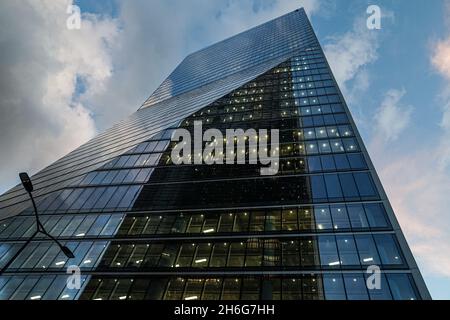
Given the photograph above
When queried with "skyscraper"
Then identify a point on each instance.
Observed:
(143, 227)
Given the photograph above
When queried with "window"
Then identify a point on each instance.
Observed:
(306, 218)
(117, 196)
(272, 252)
(376, 215)
(383, 293)
(226, 222)
(357, 161)
(328, 252)
(291, 253)
(357, 216)
(271, 289)
(341, 162)
(366, 249)
(137, 256)
(175, 289)
(340, 217)
(328, 163)
(292, 289)
(314, 164)
(365, 185)
(212, 289)
(257, 221)
(129, 196)
(151, 224)
(241, 224)
(120, 291)
(186, 255)
(196, 223)
(193, 290)
(333, 287)
(219, 255)
(323, 218)
(333, 187)
(231, 289)
(109, 192)
(139, 289)
(165, 224)
(318, 188)
(273, 220)
(250, 289)
(355, 286)
(347, 250)
(388, 249)
(289, 219)
(98, 226)
(210, 224)
(202, 255)
(180, 223)
(237, 254)
(349, 189)
(401, 287)
(168, 255)
(111, 225)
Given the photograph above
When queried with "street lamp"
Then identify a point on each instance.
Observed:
(28, 186)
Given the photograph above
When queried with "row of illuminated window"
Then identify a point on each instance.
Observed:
(355, 217)
(324, 163)
(307, 66)
(141, 160)
(275, 109)
(287, 166)
(91, 198)
(295, 85)
(297, 121)
(310, 72)
(300, 100)
(334, 286)
(280, 93)
(48, 255)
(289, 163)
(272, 191)
(39, 287)
(352, 217)
(149, 160)
(291, 82)
(284, 113)
(313, 252)
(318, 188)
(77, 226)
(342, 186)
(139, 175)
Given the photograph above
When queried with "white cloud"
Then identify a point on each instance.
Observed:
(41, 118)
(350, 52)
(118, 61)
(392, 117)
(157, 35)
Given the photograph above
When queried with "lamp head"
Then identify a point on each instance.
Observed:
(26, 181)
(69, 254)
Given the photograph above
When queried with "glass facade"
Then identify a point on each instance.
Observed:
(141, 227)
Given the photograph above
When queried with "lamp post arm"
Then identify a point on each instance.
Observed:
(6, 266)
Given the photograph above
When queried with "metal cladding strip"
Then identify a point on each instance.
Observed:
(152, 120)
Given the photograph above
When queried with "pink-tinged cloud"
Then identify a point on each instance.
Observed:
(441, 57)
(419, 190)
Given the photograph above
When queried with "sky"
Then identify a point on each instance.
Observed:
(61, 87)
